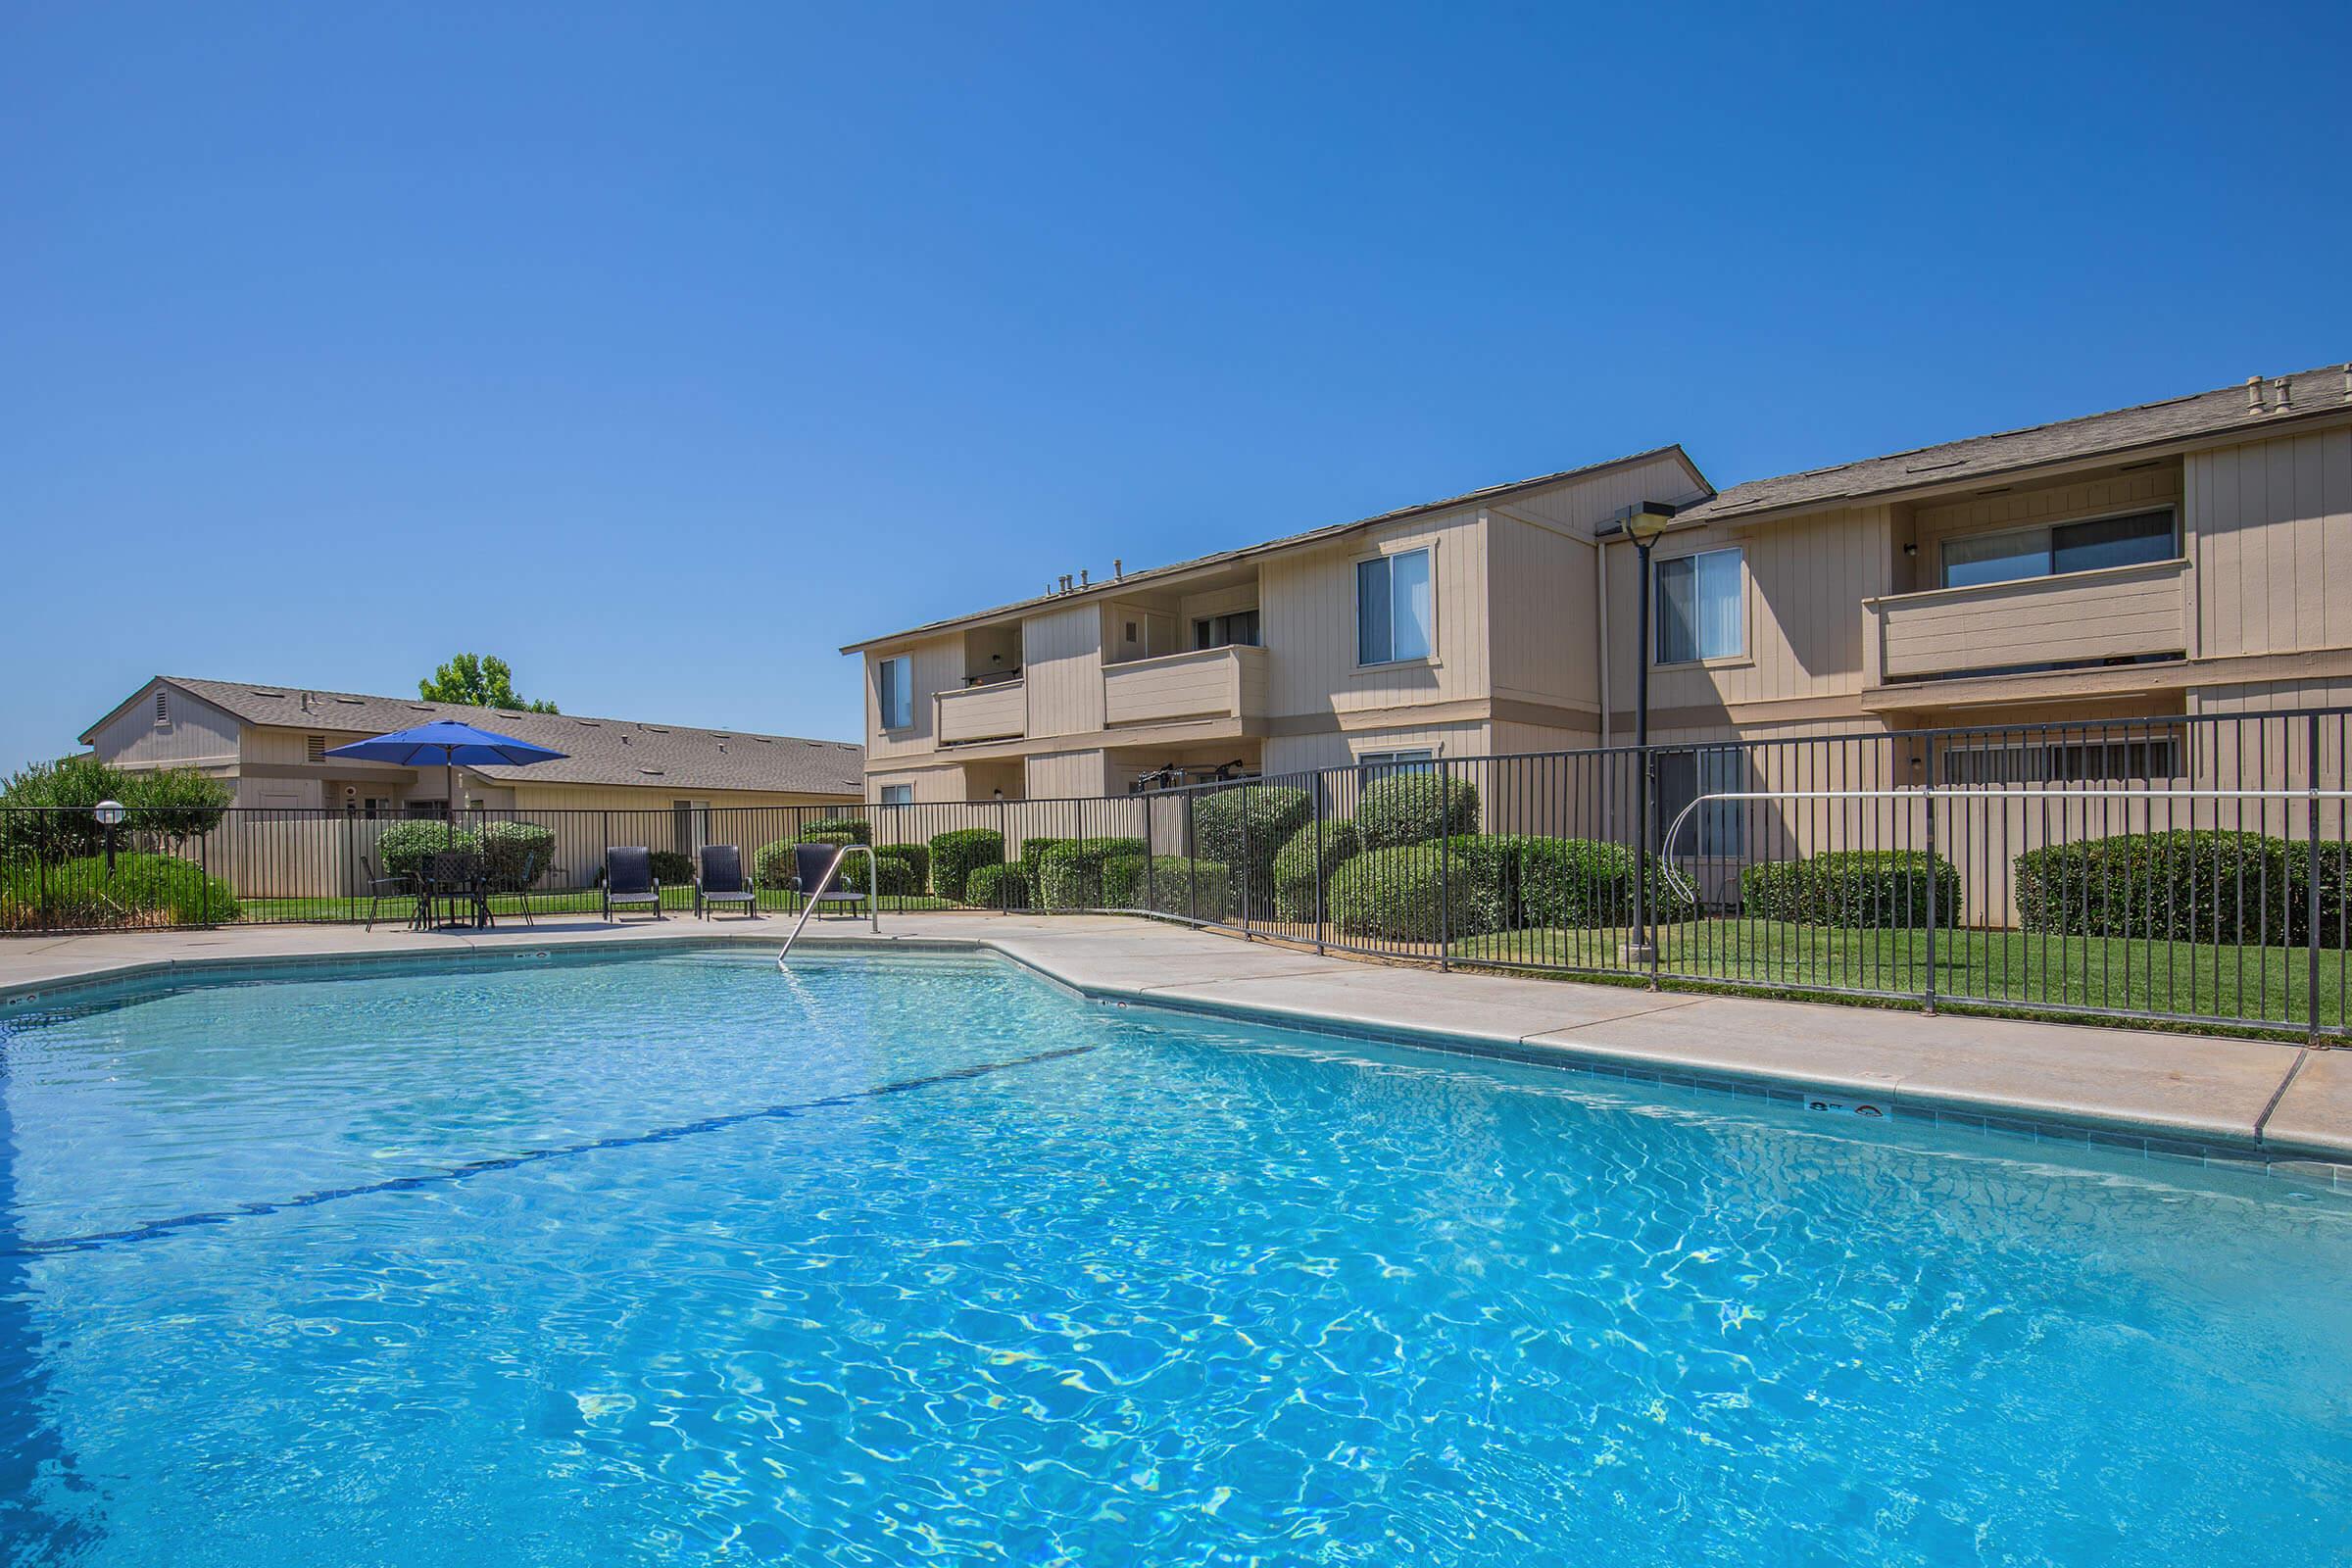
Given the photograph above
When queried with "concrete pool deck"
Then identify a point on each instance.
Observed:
(2170, 1095)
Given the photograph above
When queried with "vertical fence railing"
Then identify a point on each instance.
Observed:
(2190, 867)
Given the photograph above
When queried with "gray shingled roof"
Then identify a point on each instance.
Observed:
(596, 750)
(1134, 579)
(2149, 424)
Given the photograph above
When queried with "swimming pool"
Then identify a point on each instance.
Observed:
(672, 1257)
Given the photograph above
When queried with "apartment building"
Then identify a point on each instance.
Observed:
(2185, 556)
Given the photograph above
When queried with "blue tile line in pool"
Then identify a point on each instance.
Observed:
(154, 1229)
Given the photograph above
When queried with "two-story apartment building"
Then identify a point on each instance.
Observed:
(1456, 628)
(2183, 557)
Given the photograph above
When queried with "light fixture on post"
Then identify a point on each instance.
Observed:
(1643, 524)
(110, 813)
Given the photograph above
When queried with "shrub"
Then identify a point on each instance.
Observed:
(1198, 889)
(143, 890)
(1415, 808)
(772, 866)
(1071, 873)
(1590, 882)
(2178, 886)
(177, 804)
(403, 848)
(1294, 889)
(957, 854)
(53, 820)
(1396, 895)
(1855, 888)
(519, 854)
(998, 887)
(916, 856)
(1033, 856)
(836, 830)
(1245, 827)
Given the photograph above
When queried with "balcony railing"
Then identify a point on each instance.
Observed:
(2079, 618)
(1210, 683)
(996, 713)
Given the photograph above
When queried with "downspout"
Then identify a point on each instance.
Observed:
(1600, 620)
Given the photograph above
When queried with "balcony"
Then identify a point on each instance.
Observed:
(2078, 622)
(1211, 683)
(993, 712)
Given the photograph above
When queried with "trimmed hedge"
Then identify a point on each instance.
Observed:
(1415, 808)
(1590, 882)
(772, 866)
(2180, 886)
(998, 887)
(1033, 856)
(916, 856)
(403, 848)
(836, 830)
(1295, 890)
(1245, 827)
(143, 890)
(1394, 895)
(1197, 889)
(1071, 873)
(517, 854)
(956, 855)
(1859, 889)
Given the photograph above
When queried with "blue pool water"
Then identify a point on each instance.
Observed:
(676, 1260)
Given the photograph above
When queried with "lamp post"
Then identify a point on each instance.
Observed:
(110, 815)
(1643, 524)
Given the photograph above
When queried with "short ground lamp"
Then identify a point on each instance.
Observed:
(110, 815)
(1643, 523)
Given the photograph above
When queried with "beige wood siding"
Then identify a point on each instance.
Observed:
(197, 732)
(1214, 683)
(1291, 753)
(938, 667)
(2079, 616)
(1063, 775)
(1805, 580)
(1062, 663)
(983, 713)
(1307, 616)
(2270, 533)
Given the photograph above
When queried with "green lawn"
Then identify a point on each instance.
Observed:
(1996, 969)
(572, 901)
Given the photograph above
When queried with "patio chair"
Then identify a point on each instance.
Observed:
(809, 863)
(399, 888)
(460, 878)
(629, 881)
(719, 879)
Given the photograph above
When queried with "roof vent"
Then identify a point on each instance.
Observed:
(2286, 395)
(2253, 394)
(650, 773)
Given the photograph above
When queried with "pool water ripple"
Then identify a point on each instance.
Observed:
(1167, 1290)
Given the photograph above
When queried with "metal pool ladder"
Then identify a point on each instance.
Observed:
(873, 894)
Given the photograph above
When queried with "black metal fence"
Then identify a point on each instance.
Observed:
(2185, 869)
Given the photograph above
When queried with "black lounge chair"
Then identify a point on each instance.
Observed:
(809, 863)
(401, 888)
(629, 881)
(719, 879)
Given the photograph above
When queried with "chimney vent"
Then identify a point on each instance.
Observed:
(1065, 582)
(2285, 389)
(1119, 567)
(2348, 380)
(1081, 576)
(2253, 394)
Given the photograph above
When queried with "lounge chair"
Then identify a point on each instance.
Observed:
(629, 881)
(809, 863)
(719, 879)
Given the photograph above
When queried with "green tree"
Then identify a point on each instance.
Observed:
(477, 682)
(47, 811)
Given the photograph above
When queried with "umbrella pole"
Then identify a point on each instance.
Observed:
(448, 796)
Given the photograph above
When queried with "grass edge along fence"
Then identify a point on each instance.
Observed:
(2187, 870)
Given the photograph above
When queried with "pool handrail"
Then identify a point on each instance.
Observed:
(873, 895)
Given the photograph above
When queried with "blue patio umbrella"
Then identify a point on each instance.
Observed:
(449, 743)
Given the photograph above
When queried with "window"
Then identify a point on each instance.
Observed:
(898, 795)
(893, 690)
(1700, 608)
(689, 826)
(163, 710)
(1226, 631)
(2091, 762)
(1373, 766)
(314, 748)
(1716, 828)
(1393, 612)
(2017, 554)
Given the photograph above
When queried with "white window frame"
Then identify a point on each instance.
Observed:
(896, 795)
(1355, 592)
(1373, 766)
(2048, 531)
(1657, 610)
(883, 679)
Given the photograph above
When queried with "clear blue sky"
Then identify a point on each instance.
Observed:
(339, 338)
